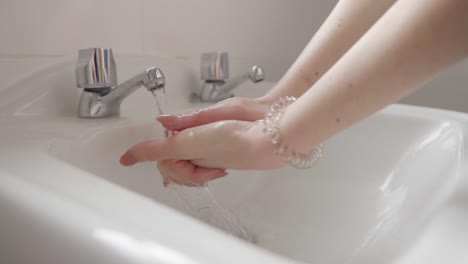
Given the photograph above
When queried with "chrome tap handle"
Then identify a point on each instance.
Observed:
(214, 66)
(95, 69)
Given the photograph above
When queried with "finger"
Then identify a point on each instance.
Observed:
(165, 181)
(148, 151)
(186, 173)
(203, 116)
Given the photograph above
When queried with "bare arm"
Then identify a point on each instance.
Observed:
(412, 42)
(348, 21)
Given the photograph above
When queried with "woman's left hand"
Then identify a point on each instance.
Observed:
(196, 155)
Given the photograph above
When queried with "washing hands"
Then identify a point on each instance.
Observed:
(207, 143)
(396, 47)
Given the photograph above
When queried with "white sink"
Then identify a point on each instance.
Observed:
(377, 185)
(371, 199)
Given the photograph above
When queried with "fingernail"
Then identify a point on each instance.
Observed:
(166, 118)
(168, 121)
(221, 174)
(127, 159)
(165, 182)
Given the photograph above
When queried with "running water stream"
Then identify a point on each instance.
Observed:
(200, 201)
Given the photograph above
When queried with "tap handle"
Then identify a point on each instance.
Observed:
(95, 68)
(214, 66)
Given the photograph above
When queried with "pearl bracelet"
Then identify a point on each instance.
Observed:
(271, 127)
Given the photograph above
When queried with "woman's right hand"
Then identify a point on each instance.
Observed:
(237, 108)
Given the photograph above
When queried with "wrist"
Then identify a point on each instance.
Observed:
(272, 95)
(266, 99)
(281, 137)
(261, 151)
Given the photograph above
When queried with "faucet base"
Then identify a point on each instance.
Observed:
(91, 106)
(101, 102)
(211, 92)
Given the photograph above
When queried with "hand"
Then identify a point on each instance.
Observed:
(231, 109)
(237, 108)
(196, 155)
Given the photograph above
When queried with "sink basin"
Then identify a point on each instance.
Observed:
(377, 185)
(383, 192)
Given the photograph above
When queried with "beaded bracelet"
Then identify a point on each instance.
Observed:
(271, 127)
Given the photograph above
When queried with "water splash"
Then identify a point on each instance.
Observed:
(200, 201)
(203, 205)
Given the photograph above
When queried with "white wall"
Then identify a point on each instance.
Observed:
(449, 90)
(267, 32)
(271, 32)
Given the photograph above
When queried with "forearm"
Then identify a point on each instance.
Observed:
(412, 42)
(349, 20)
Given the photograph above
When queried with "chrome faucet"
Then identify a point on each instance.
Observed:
(96, 74)
(214, 69)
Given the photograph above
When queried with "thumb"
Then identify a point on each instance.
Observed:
(152, 150)
(185, 145)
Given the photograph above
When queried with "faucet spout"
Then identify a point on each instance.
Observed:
(105, 102)
(255, 74)
(152, 79)
(214, 91)
(214, 71)
(101, 96)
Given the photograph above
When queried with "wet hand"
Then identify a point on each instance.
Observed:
(196, 155)
(237, 108)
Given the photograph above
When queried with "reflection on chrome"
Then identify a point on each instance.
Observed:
(140, 249)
